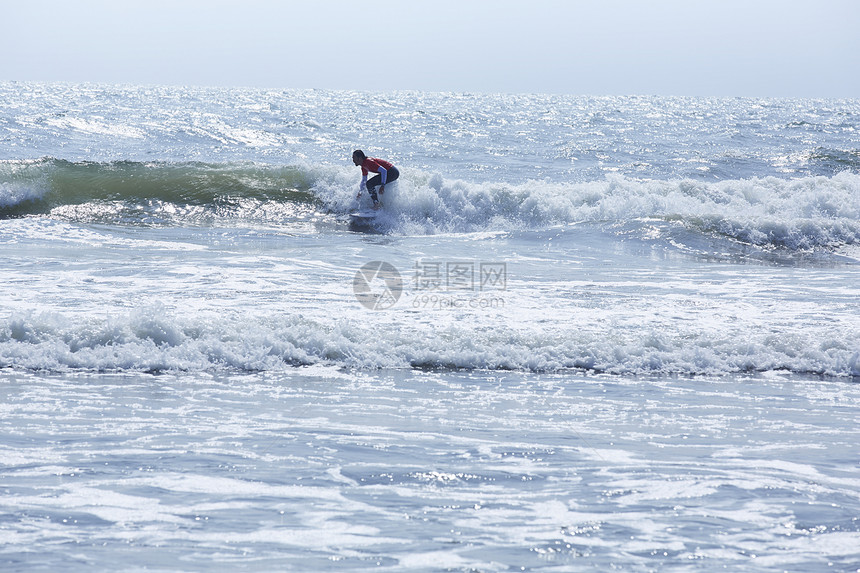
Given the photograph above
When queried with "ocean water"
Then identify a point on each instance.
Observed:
(583, 334)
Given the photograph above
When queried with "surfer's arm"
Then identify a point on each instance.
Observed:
(383, 177)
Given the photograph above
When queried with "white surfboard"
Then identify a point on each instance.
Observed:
(364, 215)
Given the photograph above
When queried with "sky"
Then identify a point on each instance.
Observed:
(752, 48)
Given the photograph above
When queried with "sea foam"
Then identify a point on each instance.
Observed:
(155, 340)
(794, 214)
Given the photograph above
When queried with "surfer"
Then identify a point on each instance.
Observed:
(385, 173)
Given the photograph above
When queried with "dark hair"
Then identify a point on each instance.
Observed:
(358, 153)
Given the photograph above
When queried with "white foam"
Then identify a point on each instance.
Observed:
(155, 339)
(22, 181)
(796, 214)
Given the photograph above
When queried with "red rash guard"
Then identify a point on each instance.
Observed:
(373, 164)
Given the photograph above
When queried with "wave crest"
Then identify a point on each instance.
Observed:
(38, 186)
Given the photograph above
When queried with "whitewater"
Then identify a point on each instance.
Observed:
(583, 333)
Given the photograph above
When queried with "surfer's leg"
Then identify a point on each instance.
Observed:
(372, 184)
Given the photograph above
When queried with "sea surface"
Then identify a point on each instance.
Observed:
(583, 333)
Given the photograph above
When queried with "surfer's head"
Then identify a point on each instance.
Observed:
(358, 156)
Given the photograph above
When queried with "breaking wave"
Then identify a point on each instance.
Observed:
(156, 340)
(793, 214)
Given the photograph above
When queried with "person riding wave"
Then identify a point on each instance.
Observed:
(385, 171)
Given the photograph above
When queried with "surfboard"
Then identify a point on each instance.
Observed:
(363, 220)
(363, 216)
